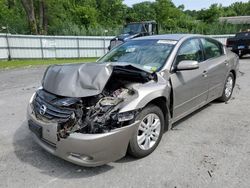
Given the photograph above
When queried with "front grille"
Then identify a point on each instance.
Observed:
(46, 109)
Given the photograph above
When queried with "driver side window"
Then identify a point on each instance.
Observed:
(190, 50)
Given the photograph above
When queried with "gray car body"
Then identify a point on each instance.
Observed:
(190, 90)
(177, 93)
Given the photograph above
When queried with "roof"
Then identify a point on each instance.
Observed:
(235, 19)
(176, 37)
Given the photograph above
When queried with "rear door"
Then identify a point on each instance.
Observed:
(217, 66)
(190, 87)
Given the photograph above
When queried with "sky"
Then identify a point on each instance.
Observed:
(191, 4)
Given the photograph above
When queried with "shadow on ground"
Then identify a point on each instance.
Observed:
(246, 57)
(175, 125)
(27, 151)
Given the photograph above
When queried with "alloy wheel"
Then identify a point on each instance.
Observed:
(148, 131)
(229, 86)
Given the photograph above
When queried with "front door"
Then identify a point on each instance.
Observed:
(190, 87)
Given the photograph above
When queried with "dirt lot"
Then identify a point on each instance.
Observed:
(210, 148)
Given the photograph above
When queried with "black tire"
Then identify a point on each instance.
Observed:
(134, 149)
(224, 97)
(239, 54)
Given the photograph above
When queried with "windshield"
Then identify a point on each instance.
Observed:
(243, 35)
(132, 28)
(149, 54)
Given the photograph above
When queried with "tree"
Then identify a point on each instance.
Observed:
(43, 19)
(181, 7)
(167, 14)
(241, 8)
(11, 4)
(86, 16)
(93, 17)
(142, 11)
(111, 12)
(28, 6)
(36, 12)
(212, 14)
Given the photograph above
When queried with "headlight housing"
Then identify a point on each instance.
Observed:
(126, 116)
(32, 98)
(34, 95)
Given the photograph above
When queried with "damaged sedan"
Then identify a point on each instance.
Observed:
(94, 113)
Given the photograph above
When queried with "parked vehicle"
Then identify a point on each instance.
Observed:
(240, 44)
(91, 114)
(134, 30)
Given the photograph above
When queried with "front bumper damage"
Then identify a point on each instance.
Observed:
(83, 149)
(83, 112)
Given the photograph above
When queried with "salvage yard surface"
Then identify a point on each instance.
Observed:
(35, 63)
(210, 148)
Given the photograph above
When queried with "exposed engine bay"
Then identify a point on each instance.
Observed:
(92, 114)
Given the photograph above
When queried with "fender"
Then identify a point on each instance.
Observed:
(145, 93)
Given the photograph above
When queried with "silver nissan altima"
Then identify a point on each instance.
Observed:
(94, 113)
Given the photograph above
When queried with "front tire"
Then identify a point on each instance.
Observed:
(149, 133)
(239, 55)
(228, 88)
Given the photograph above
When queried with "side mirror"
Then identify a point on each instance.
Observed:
(187, 65)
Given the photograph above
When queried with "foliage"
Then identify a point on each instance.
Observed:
(86, 16)
(210, 15)
(141, 11)
(106, 17)
(12, 18)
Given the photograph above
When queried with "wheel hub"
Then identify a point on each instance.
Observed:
(229, 86)
(148, 131)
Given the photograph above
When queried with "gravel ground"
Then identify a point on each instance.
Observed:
(210, 148)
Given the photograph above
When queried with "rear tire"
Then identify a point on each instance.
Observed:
(228, 88)
(239, 54)
(149, 133)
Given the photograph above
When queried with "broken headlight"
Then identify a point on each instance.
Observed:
(32, 98)
(34, 95)
(126, 116)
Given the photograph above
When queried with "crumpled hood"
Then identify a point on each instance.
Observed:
(83, 80)
(76, 80)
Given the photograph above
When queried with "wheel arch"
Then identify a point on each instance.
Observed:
(234, 73)
(162, 103)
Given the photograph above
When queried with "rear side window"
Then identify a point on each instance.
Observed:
(190, 50)
(212, 48)
(243, 35)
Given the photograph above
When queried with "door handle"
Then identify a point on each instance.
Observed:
(226, 63)
(204, 74)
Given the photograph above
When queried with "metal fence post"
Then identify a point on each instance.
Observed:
(78, 47)
(55, 46)
(8, 47)
(41, 45)
(104, 44)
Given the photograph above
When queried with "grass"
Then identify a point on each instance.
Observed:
(34, 63)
